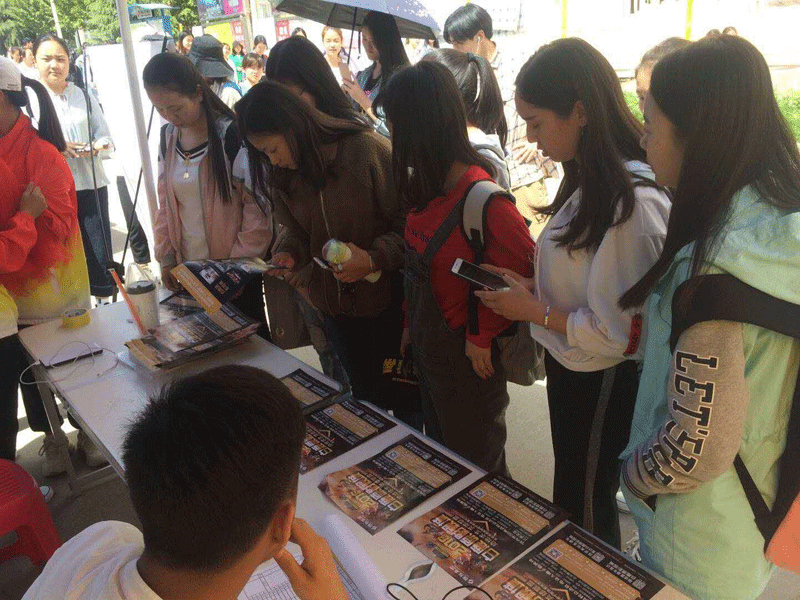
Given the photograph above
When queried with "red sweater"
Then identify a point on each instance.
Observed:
(508, 244)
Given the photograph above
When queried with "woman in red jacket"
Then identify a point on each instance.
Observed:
(462, 381)
(42, 264)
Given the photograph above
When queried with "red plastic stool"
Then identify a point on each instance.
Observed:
(24, 511)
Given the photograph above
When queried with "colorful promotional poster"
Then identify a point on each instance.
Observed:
(310, 391)
(380, 490)
(482, 529)
(332, 431)
(573, 565)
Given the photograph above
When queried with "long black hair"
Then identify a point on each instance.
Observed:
(176, 73)
(429, 131)
(559, 75)
(718, 95)
(48, 127)
(479, 90)
(297, 61)
(271, 108)
(386, 37)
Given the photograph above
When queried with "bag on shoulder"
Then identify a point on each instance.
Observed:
(522, 356)
(725, 298)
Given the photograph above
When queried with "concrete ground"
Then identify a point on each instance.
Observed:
(529, 455)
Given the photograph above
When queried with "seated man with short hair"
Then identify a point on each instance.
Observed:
(212, 465)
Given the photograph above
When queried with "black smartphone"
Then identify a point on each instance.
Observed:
(475, 274)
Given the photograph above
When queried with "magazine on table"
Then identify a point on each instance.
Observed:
(378, 491)
(187, 338)
(572, 564)
(482, 529)
(214, 283)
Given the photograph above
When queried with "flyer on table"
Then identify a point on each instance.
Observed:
(380, 490)
(310, 391)
(571, 564)
(482, 529)
(332, 431)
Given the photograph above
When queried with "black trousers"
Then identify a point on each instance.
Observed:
(138, 240)
(572, 397)
(462, 411)
(94, 227)
(13, 360)
(362, 344)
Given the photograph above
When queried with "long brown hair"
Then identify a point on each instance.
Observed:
(559, 75)
(429, 131)
(176, 73)
(718, 95)
(271, 108)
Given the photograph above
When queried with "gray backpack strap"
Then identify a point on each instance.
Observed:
(473, 218)
(476, 204)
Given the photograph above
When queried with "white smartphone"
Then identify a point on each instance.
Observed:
(475, 274)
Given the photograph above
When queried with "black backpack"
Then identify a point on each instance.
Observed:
(725, 298)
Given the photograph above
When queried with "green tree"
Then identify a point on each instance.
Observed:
(24, 18)
(186, 16)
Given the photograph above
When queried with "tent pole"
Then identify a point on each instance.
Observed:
(138, 112)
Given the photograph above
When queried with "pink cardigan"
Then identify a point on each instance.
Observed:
(235, 230)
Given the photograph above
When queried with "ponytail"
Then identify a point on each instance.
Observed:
(49, 129)
(176, 73)
(479, 90)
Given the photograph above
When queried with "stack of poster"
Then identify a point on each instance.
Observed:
(378, 491)
(185, 339)
(337, 429)
(479, 531)
(571, 565)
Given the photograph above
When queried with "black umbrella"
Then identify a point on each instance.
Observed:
(413, 19)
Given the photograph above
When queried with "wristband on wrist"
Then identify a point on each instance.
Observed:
(547, 317)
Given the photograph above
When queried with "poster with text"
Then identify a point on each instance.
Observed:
(482, 529)
(380, 490)
(310, 391)
(332, 431)
(572, 565)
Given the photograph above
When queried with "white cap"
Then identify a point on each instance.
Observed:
(10, 76)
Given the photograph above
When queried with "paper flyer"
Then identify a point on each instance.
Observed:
(336, 429)
(572, 565)
(380, 490)
(309, 390)
(482, 529)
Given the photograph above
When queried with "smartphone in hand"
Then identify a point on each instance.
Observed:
(344, 69)
(479, 276)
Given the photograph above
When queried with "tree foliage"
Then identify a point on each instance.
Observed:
(30, 18)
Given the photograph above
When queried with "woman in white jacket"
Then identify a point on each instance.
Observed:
(607, 227)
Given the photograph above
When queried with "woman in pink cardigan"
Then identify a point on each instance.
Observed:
(201, 214)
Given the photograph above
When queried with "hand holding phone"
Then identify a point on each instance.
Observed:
(479, 276)
(344, 69)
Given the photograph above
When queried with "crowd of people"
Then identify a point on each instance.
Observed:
(271, 154)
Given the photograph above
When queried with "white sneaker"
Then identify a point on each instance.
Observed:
(55, 463)
(93, 456)
(622, 506)
(47, 492)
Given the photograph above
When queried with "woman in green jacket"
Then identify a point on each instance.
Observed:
(714, 133)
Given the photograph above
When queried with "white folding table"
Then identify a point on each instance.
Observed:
(104, 397)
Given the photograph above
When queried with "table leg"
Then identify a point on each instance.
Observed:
(51, 408)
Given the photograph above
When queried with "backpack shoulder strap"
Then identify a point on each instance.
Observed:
(166, 131)
(473, 222)
(476, 205)
(722, 297)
